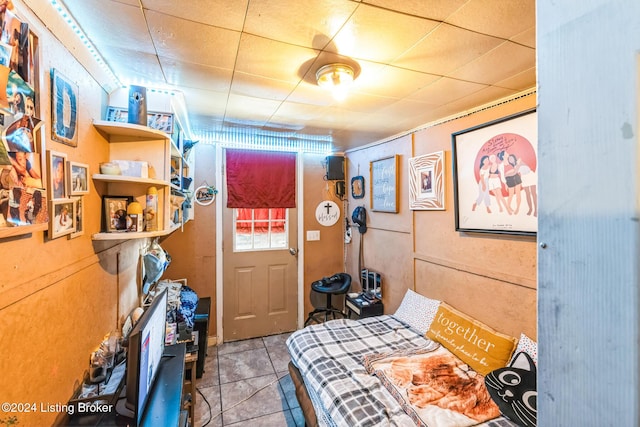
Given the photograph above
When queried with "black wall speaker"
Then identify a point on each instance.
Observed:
(335, 168)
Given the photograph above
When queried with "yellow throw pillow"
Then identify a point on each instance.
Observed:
(475, 343)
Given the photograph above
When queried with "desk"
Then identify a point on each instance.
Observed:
(190, 382)
(164, 407)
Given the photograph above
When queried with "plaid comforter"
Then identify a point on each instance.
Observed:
(330, 358)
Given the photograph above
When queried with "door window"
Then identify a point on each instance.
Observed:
(260, 229)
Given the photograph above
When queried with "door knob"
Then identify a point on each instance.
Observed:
(293, 251)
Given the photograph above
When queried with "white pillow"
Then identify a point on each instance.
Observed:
(529, 346)
(417, 311)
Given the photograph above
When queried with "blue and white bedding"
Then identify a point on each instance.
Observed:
(330, 359)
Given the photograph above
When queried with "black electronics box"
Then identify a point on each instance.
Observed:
(335, 168)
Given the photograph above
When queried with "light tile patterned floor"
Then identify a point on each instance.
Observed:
(249, 382)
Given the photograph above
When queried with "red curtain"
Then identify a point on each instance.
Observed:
(260, 179)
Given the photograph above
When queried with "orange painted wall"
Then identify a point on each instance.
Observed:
(490, 277)
(59, 298)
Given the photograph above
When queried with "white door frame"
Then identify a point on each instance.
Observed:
(220, 233)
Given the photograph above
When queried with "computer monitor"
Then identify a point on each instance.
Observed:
(144, 354)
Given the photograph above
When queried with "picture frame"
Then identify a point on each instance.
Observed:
(357, 187)
(78, 178)
(427, 182)
(114, 213)
(495, 176)
(383, 184)
(79, 231)
(64, 109)
(62, 218)
(156, 120)
(205, 195)
(57, 164)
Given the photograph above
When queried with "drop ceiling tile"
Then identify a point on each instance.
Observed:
(308, 23)
(496, 17)
(482, 97)
(193, 42)
(438, 10)
(499, 64)
(445, 91)
(187, 74)
(521, 81)
(377, 35)
(527, 37)
(261, 87)
(393, 82)
(272, 59)
(306, 93)
(135, 67)
(129, 2)
(245, 107)
(98, 18)
(297, 113)
(446, 49)
(363, 102)
(205, 102)
(227, 14)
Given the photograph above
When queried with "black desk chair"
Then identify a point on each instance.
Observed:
(338, 284)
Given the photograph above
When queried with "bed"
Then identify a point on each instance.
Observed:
(373, 371)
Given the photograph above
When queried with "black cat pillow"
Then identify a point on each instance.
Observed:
(513, 389)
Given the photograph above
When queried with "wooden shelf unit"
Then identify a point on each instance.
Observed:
(139, 143)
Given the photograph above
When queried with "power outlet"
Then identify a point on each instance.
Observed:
(313, 235)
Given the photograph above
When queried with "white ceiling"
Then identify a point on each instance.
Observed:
(253, 62)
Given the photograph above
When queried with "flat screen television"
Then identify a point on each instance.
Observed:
(144, 354)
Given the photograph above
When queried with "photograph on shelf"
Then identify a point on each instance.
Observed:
(64, 109)
(383, 181)
(495, 176)
(57, 163)
(63, 218)
(79, 218)
(114, 213)
(155, 120)
(78, 178)
(426, 182)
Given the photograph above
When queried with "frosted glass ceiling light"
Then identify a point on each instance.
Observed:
(337, 78)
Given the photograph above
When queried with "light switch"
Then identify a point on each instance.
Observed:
(313, 235)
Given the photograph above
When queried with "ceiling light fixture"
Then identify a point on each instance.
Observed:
(337, 78)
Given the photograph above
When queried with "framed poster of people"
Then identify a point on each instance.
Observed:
(64, 109)
(495, 176)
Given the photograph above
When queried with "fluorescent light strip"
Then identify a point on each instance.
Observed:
(268, 141)
(66, 16)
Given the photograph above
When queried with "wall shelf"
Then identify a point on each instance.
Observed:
(6, 232)
(129, 180)
(136, 235)
(135, 142)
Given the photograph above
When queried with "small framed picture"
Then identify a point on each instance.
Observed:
(64, 109)
(57, 175)
(426, 182)
(63, 218)
(78, 178)
(116, 114)
(357, 187)
(79, 218)
(114, 213)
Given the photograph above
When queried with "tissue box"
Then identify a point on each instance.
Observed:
(133, 168)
